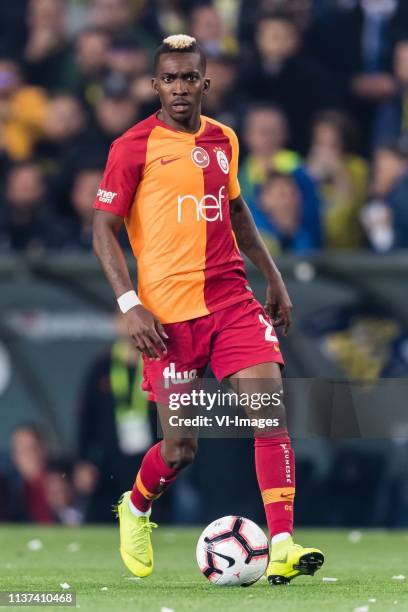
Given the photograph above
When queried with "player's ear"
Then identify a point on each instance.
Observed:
(154, 86)
(206, 86)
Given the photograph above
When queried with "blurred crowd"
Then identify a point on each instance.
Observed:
(360, 485)
(316, 89)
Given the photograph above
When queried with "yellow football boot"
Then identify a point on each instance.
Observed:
(289, 560)
(135, 545)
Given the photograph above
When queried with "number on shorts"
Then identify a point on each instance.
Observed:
(269, 330)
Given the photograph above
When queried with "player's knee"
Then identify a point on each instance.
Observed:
(180, 453)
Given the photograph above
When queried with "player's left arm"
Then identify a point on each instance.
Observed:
(278, 304)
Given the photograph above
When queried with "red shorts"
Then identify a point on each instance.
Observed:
(229, 340)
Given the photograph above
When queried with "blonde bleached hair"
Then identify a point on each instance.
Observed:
(180, 43)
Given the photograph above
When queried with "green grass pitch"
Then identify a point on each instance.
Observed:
(88, 560)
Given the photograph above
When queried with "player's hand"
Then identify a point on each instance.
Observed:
(146, 331)
(278, 304)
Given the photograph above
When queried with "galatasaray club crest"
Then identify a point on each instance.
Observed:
(222, 160)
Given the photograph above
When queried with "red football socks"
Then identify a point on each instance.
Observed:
(275, 470)
(153, 478)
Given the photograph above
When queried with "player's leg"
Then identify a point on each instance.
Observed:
(159, 469)
(246, 349)
(164, 461)
(275, 469)
(175, 373)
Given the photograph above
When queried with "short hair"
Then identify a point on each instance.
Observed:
(343, 125)
(277, 15)
(180, 43)
(395, 148)
(34, 428)
(275, 175)
(266, 107)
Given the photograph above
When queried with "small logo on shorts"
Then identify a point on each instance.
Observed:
(269, 332)
(177, 378)
(200, 157)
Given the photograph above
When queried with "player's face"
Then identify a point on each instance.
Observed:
(180, 84)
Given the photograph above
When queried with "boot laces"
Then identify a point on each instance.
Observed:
(139, 533)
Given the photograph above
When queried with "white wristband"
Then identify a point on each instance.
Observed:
(128, 300)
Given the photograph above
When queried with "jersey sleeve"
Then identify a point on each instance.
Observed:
(121, 178)
(233, 186)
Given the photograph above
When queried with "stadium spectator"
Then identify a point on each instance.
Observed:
(391, 121)
(265, 136)
(60, 494)
(299, 11)
(116, 426)
(12, 28)
(280, 216)
(64, 147)
(342, 176)
(222, 101)
(26, 223)
(29, 455)
(127, 57)
(141, 91)
(115, 112)
(385, 218)
(371, 29)
(209, 29)
(91, 65)
(47, 53)
(121, 17)
(171, 16)
(281, 73)
(112, 15)
(64, 121)
(85, 186)
(22, 113)
(363, 65)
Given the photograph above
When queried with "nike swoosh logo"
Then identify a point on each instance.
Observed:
(230, 560)
(286, 495)
(138, 560)
(168, 161)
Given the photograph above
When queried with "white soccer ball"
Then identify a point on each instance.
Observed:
(232, 551)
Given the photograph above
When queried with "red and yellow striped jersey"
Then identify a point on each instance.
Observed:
(173, 189)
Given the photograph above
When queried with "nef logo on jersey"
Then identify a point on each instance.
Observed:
(202, 207)
(106, 197)
(222, 160)
(177, 378)
(200, 157)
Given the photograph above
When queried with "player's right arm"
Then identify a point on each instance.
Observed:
(115, 197)
(146, 331)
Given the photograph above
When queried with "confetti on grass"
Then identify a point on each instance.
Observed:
(34, 545)
(355, 537)
(328, 579)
